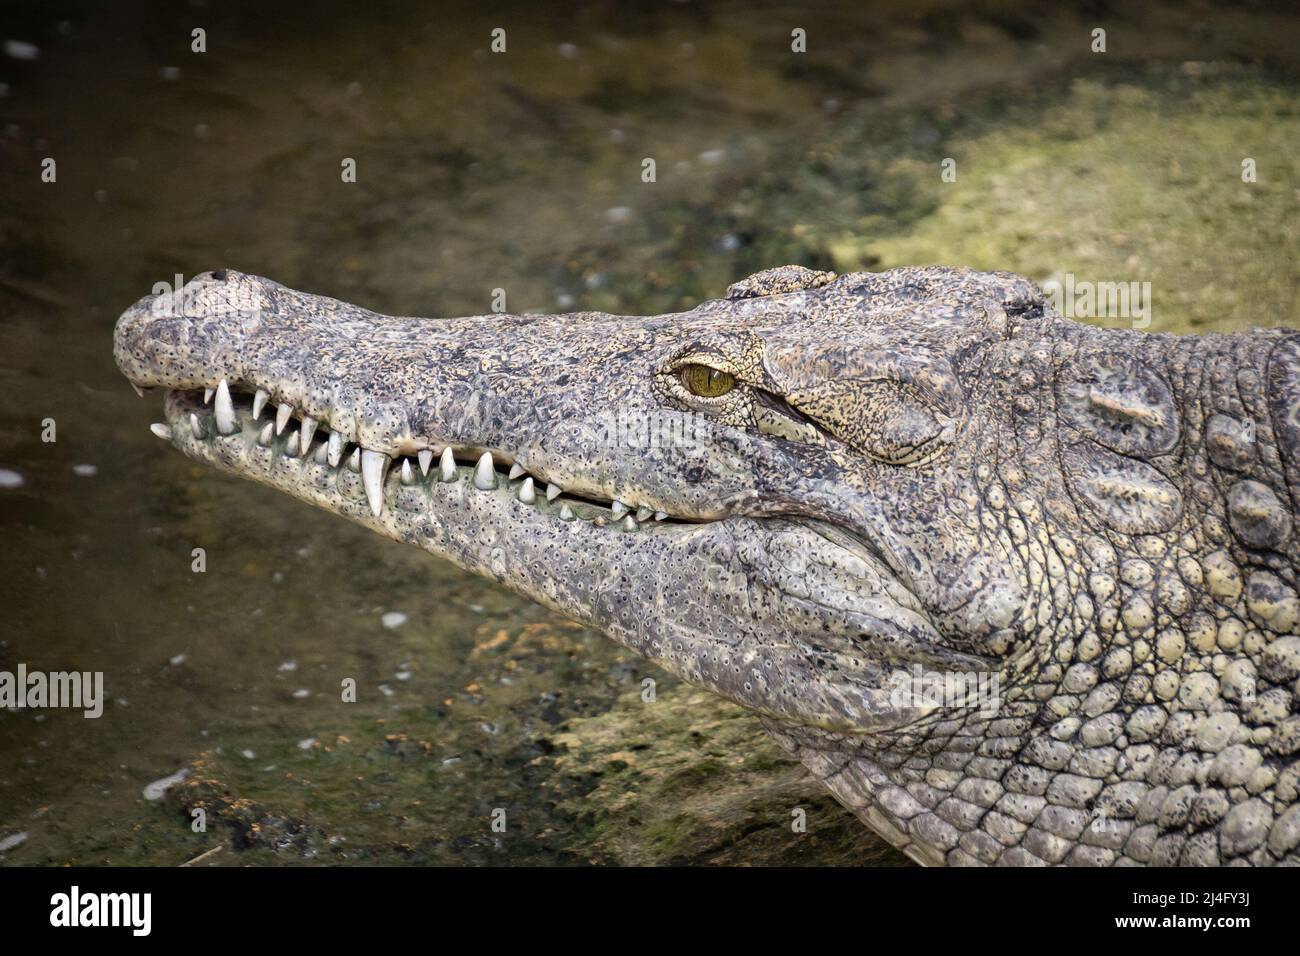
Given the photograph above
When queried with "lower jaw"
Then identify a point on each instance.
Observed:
(526, 546)
(605, 573)
(578, 567)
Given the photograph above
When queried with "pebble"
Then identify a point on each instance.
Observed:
(155, 790)
(393, 619)
(20, 50)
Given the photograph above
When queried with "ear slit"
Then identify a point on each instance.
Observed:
(775, 416)
(891, 421)
(779, 404)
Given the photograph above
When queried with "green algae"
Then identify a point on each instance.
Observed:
(1127, 181)
(687, 779)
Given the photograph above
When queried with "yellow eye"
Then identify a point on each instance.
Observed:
(707, 382)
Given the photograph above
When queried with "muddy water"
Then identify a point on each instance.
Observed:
(520, 171)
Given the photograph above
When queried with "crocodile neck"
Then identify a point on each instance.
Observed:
(1141, 719)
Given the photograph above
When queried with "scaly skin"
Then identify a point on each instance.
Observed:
(919, 472)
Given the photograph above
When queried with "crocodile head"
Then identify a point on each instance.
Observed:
(772, 495)
(801, 496)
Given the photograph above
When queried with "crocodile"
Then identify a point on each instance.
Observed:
(1016, 589)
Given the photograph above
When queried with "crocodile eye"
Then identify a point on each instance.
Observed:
(707, 382)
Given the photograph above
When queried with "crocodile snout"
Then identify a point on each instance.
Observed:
(183, 337)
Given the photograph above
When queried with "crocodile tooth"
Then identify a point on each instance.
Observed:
(408, 473)
(447, 466)
(354, 460)
(282, 417)
(138, 390)
(426, 459)
(334, 453)
(566, 513)
(485, 478)
(373, 466)
(196, 426)
(643, 513)
(322, 454)
(291, 448)
(260, 398)
(225, 409)
(617, 509)
(268, 432)
(526, 493)
(553, 491)
(660, 515)
(163, 431)
(516, 470)
(207, 395)
(629, 524)
(599, 521)
(308, 431)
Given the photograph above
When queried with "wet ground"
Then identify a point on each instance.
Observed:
(520, 171)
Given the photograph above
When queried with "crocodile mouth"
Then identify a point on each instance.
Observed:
(242, 431)
(483, 512)
(422, 432)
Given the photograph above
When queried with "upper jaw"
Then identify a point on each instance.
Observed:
(404, 387)
(401, 392)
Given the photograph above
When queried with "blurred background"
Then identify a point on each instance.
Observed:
(519, 170)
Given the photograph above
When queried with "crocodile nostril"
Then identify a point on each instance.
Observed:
(218, 275)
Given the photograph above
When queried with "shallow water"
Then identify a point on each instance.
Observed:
(519, 171)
